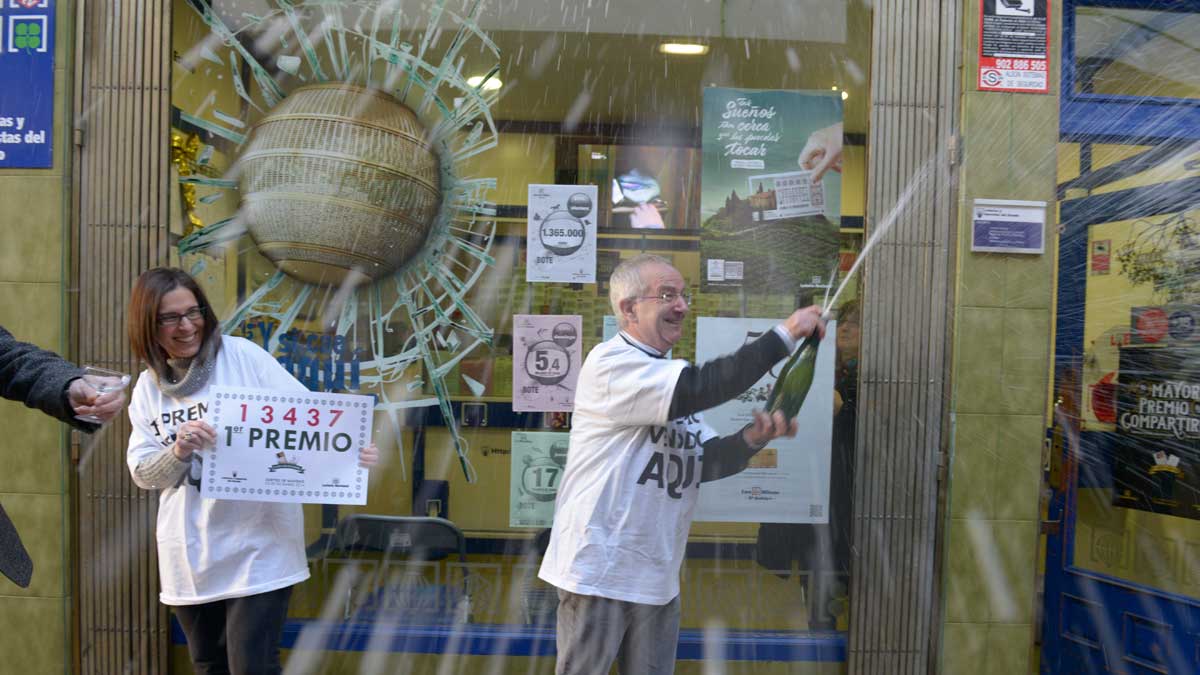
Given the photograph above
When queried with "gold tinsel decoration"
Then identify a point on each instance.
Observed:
(184, 152)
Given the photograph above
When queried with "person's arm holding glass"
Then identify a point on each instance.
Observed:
(44, 380)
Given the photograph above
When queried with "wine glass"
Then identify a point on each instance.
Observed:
(103, 381)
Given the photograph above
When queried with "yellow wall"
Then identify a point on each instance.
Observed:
(1147, 548)
(35, 635)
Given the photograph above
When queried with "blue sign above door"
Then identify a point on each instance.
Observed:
(26, 84)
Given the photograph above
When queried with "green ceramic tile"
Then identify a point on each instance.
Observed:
(966, 586)
(1014, 569)
(1035, 152)
(964, 647)
(981, 276)
(977, 372)
(970, 57)
(1017, 479)
(63, 134)
(32, 250)
(1026, 361)
(30, 312)
(973, 463)
(33, 638)
(1028, 279)
(39, 520)
(64, 21)
(33, 450)
(1008, 649)
(987, 165)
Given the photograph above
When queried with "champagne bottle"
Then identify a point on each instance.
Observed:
(794, 381)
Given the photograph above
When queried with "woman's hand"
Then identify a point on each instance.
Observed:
(368, 456)
(193, 436)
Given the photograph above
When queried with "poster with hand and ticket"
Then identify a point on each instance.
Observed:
(771, 189)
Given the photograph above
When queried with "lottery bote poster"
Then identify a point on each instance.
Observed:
(561, 234)
(538, 459)
(771, 195)
(547, 354)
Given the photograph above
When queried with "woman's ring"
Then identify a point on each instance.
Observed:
(187, 435)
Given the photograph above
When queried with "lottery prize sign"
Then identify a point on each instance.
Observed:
(288, 446)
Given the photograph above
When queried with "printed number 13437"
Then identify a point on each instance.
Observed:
(311, 417)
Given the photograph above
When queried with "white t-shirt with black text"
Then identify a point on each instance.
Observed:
(214, 549)
(632, 477)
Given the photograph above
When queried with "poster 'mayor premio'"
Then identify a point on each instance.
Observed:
(766, 225)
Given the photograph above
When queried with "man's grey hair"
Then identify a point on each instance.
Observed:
(626, 281)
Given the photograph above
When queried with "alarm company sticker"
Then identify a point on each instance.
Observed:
(547, 353)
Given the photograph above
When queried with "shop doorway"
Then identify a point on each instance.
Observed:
(1122, 520)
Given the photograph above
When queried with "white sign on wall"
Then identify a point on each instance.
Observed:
(288, 447)
(787, 481)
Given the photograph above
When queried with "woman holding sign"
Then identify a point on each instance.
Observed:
(226, 566)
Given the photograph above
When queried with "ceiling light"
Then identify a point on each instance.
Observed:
(845, 95)
(490, 84)
(834, 87)
(683, 48)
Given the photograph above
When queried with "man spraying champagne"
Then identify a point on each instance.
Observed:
(639, 449)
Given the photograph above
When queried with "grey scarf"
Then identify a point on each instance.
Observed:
(188, 376)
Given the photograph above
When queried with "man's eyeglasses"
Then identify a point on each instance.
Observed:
(171, 320)
(669, 297)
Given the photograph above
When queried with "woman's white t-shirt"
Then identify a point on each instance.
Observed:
(632, 478)
(210, 549)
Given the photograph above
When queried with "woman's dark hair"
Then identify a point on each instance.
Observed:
(142, 316)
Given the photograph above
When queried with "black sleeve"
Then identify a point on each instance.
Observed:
(725, 456)
(707, 386)
(37, 378)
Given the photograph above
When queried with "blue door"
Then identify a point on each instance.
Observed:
(1122, 518)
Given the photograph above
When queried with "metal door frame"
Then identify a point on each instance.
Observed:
(119, 227)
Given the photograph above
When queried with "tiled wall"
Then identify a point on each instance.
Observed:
(34, 633)
(1002, 342)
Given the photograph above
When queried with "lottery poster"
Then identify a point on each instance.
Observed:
(538, 459)
(561, 234)
(787, 481)
(547, 354)
(771, 189)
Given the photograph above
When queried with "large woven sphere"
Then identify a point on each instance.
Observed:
(338, 182)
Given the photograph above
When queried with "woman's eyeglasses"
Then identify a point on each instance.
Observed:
(171, 320)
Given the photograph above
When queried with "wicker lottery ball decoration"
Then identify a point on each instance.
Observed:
(339, 184)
